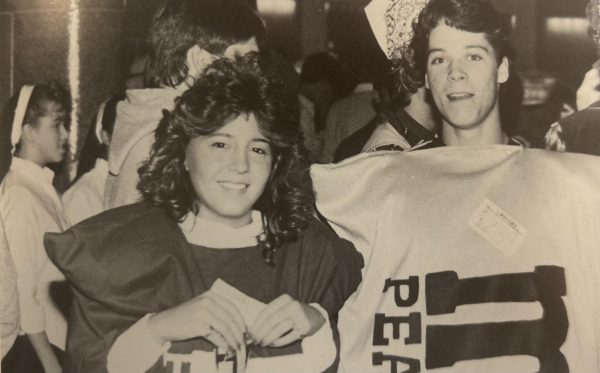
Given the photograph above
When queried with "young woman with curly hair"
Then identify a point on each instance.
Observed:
(224, 257)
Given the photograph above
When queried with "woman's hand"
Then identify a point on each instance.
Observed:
(284, 321)
(208, 315)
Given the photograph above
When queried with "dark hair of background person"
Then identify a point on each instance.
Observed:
(226, 90)
(324, 66)
(324, 79)
(92, 148)
(478, 16)
(393, 87)
(282, 69)
(213, 25)
(36, 107)
(402, 79)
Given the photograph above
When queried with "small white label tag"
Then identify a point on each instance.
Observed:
(498, 228)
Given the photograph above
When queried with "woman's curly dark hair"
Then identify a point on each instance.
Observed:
(226, 90)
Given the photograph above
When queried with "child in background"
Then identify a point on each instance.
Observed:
(225, 255)
(85, 197)
(186, 35)
(30, 207)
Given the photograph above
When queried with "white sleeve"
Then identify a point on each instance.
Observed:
(318, 353)
(75, 203)
(136, 350)
(9, 307)
(24, 237)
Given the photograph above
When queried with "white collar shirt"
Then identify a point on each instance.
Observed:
(30, 207)
(85, 198)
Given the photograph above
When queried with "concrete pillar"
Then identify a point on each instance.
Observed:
(35, 46)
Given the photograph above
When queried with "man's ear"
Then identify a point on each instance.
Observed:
(503, 70)
(197, 60)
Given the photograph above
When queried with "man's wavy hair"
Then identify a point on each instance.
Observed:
(213, 25)
(225, 91)
(477, 16)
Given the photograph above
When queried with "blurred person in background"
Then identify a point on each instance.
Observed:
(323, 81)
(30, 207)
(85, 197)
(580, 132)
(348, 114)
(406, 119)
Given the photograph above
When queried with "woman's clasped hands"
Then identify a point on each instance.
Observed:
(216, 319)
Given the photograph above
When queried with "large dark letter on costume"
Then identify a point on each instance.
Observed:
(413, 320)
(412, 284)
(414, 365)
(448, 344)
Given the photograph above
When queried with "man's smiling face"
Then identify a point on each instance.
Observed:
(463, 75)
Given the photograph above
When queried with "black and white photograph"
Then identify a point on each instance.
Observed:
(300, 186)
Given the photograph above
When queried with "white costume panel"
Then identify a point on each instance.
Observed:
(477, 259)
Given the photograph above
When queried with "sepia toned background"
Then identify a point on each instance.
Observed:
(90, 45)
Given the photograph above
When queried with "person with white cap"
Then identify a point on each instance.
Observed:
(85, 198)
(30, 207)
(406, 121)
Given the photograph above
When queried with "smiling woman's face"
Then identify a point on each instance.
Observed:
(229, 170)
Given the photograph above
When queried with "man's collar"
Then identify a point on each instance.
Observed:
(408, 127)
